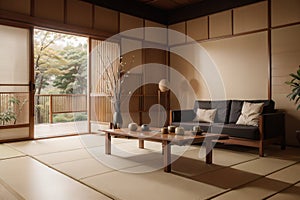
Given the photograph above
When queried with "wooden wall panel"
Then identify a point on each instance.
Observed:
(198, 28)
(154, 70)
(19, 6)
(155, 56)
(220, 24)
(106, 20)
(285, 12)
(128, 22)
(79, 13)
(157, 36)
(52, 10)
(14, 133)
(251, 18)
(131, 51)
(286, 60)
(177, 38)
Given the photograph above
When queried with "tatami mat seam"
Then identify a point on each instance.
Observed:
(282, 190)
(11, 157)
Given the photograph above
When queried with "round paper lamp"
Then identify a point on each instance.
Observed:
(163, 85)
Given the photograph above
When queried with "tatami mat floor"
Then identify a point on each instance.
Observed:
(77, 168)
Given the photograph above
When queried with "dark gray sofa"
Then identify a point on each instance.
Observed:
(271, 123)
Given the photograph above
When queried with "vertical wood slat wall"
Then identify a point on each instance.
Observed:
(104, 57)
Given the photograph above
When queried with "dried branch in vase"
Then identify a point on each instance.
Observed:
(113, 77)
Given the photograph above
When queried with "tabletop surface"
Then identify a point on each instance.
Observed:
(155, 134)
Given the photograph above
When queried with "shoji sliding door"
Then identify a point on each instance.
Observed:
(15, 95)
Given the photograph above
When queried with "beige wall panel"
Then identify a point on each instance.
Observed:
(193, 77)
(250, 18)
(79, 13)
(19, 6)
(286, 59)
(243, 65)
(176, 33)
(53, 10)
(106, 20)
(285, 12)
(128, 22)
(198, 28)
(220, 24)
(155, 35)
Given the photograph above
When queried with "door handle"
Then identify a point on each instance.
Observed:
(31, 86)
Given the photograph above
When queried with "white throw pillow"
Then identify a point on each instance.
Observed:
(250, 114)
(205, 115)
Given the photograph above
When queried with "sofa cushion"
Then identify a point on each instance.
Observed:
(223, 109)
(236, 108)
(202, 105)
(205, 115)
(235, 130)
(269, 105)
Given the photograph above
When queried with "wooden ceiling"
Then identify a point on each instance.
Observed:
(169, 4)
(170, 11)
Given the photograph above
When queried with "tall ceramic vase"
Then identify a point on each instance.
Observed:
(117, 117)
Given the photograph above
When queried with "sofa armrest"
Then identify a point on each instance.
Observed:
(182, 115)
(272, 125)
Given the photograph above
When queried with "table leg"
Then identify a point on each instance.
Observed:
(167, 156)
(107, 143)
(141, 144)
(209, 149)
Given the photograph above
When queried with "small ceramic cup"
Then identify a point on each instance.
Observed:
(164, 130)
(132, 126)
(171, 129)
(197, 128)
(179, 130)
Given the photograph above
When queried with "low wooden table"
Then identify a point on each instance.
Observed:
(166, 139)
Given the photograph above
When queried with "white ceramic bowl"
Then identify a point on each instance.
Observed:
(145, 127)
(132, 126)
